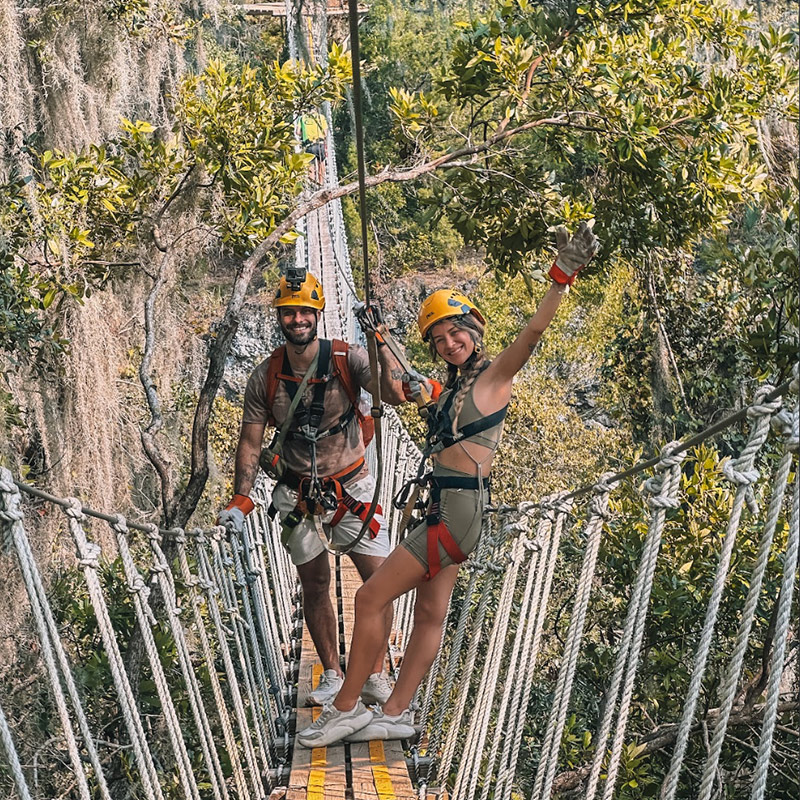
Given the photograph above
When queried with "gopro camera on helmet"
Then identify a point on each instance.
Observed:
(295, 277)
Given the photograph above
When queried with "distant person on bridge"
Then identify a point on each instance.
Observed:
(464, 431)
(313, 135)
(323, 482)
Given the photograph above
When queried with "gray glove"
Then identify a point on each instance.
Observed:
(573, 254)
(232, 519)
(413, 382)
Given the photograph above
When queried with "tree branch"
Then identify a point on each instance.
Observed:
(159, 461)
(665, 735)
(186, 503)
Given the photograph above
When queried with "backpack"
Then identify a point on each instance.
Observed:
(312, 128)
(340, 369)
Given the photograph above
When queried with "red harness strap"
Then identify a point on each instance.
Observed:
(439, 532)
(349, 503)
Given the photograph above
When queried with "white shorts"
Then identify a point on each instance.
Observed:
(305, 543)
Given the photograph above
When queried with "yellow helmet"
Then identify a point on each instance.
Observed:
(309, 294)
(442, 304)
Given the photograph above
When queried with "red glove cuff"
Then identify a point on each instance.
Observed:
(436, 390)
(561, 277)
(242, 502)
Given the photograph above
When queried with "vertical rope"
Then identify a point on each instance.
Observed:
(46, 627)
(222, 564)
(140, 594)
(598, 513)
(512, 684)
(781, 626)
(193, 583)
(555, 510)
(741, 472)
(12, 757)
(88, 560)
(160, 569)
(478, 725)
(212, 590)
(664, 488)
(476, 567)
(733, 673)
(489, 570)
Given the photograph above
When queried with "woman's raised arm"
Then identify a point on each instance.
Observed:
(573, 255)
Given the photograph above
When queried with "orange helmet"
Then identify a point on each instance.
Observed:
(443, 304)
(309, 294)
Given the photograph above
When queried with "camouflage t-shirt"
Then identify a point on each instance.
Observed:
(334, 453)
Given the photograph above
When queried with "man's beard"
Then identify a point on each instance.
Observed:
(300, 338)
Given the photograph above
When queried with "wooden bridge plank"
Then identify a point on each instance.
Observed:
(378, 769)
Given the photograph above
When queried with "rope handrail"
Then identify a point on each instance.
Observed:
(682, 447)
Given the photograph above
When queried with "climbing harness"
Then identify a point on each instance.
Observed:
(316, 495)
(438, 532)
(270, 459)
(331, 495)
(440, 436)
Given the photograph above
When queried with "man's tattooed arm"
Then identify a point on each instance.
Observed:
(247, 455)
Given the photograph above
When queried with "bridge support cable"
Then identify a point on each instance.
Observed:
(53, 652)
(12, 758)
(743, 474)
(664, 488)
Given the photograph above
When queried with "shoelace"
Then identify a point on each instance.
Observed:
(328, 712)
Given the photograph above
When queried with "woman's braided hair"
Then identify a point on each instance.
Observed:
(471, 369)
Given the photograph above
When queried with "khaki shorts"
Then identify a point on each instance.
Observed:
(305, 544)
(461, 512)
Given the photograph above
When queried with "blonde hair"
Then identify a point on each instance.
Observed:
(471, 369)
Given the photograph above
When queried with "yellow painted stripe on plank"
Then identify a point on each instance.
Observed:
(319, 756)
(316, 785)
(315, 712)
(376, 752)
(316, 674)
(383, 783)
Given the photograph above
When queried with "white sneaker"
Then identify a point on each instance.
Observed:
(327, 688)
(333, 725)
(384, 726)
(377, 689)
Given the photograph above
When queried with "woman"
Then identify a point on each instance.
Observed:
(464, 436)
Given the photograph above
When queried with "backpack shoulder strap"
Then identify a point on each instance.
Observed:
(341, 370)
(273, 370)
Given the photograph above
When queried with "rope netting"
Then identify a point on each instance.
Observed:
(228, 611)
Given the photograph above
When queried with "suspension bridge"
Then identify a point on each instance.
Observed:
(231, 693)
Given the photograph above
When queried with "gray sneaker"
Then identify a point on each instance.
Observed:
(327, 688)
(386, 727)
(333, 725)
(376, 690)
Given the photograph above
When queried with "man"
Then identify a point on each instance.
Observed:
(313, 135)
(324, 481)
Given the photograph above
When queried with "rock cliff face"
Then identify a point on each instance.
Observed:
(401, 298)
(257, 336)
